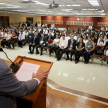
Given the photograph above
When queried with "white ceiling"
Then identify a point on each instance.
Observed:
(66, 7)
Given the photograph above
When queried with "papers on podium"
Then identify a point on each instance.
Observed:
(26, 70)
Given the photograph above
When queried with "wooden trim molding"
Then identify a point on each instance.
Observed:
(77, 92)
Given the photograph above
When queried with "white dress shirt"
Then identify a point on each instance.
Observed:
(102, 28)
(21, 36)
(45, 31)
(90, 27)
(37, 80)
(85, 41)
(75, 37)
(56, 41)
(101, 43)
(39, 25)
(63, 43)
(106, 28)
(67, 37)
(52, 26)
(8, 36)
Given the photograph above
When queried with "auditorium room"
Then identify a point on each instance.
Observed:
(53, 53)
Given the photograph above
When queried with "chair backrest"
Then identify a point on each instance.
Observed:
(25, 37)
(97, 47)
(106, 48)
(50, 41)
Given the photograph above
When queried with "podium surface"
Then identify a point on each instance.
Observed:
(36, 99)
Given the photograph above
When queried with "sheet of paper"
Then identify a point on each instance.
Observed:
(26, 70)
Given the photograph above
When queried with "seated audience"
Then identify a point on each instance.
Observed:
(21, 38)
(78, 38)
(45, 31)
(8, 38)
(30, 35)
(14, 39)
(85, 40)
(34, 41)
(3, 42)
(100, 50)
(101, 42)
(54, 46)
(62, 47)
(79, 50)
(106, 53)
(89, 47)
(68, 37)
(50, 37)
(70, 47)
(42, 44)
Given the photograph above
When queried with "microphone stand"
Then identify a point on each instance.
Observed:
(14, 66)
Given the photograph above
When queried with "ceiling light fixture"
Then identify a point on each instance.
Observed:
(76, 5)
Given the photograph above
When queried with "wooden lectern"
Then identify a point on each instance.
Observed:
(38, 98)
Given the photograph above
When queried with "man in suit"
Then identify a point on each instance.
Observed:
(34, 41)
(41, 44)
(11, 87)
(50, 37)
(70, 47)
(30, 35)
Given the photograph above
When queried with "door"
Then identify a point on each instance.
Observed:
(4, 21)
(29, 20)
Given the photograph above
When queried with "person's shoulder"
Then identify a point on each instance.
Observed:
(3, 65)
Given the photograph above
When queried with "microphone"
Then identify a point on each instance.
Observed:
(14, 66)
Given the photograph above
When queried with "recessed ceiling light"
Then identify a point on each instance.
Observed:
(76, 5)
(68, 5)
(103, 14)
(84, 9)
(91, 9)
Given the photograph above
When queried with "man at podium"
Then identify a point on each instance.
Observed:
(11, 87)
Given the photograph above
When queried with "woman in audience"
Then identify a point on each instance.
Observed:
(89, 47)
(101, 42)
(55, 46)
(0, 37)
(100, 50)
(106, 53)
(8, 38)
(78, 38)
(14, 39)
(3, 42)
(85, 40)
(95, 38)
(79, 50)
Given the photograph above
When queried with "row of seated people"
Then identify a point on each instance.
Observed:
(63, 45)
(9, 39)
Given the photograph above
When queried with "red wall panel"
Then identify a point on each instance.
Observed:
(88, 19)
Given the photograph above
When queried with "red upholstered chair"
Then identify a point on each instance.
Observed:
(106, 57)
(100, 56)
(48, 47)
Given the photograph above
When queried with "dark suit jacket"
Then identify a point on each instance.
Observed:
(36, 41)
(83, 45)
(30, 34)
(50, 37)
(69, 43)
(11, 87)
(44, 39)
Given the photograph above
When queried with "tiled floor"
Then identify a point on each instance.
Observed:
(88, 78)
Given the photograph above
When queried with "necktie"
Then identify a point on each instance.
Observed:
(34, 40)
(20, 36)
(71, 44)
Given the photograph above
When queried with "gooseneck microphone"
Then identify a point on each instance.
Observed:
(14, 66)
